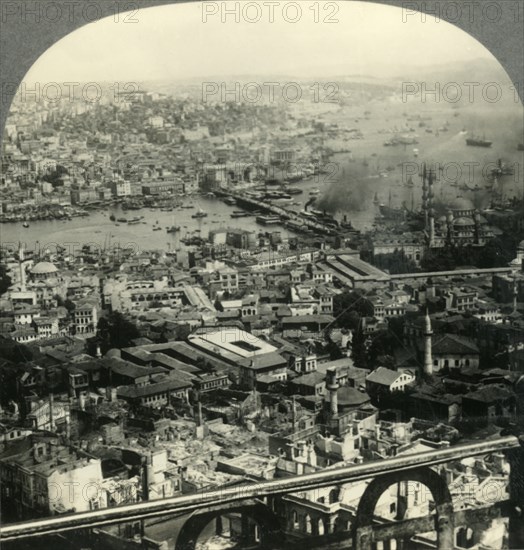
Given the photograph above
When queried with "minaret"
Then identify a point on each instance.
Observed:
(425, 197)
(515, 294)
(476, 217)
(332, 387)
(294, 415)
(428, 356)
(430, 211)
(21, 266)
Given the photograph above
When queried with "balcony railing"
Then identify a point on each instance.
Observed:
(366, 530)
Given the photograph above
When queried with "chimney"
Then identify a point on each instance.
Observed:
(51, 419)
(199, 421)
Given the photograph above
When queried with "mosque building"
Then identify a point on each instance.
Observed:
(462, 224)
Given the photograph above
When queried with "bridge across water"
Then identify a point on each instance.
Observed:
(284, 213)
(256, 501)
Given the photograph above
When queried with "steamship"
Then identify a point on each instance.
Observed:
(478, 142)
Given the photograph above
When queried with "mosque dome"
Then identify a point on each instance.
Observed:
(461, 204)
(114, 353)
(44, 268)
(351, 397)
(463, 221)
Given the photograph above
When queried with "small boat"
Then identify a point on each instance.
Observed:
(173, 229)
(157, 228)
(25, 224)
(200, 214)
(112, 217)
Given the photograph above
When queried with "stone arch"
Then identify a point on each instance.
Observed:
(363, 524)
(464, 537)
(268, 523)
(308, 524)
(295, 520)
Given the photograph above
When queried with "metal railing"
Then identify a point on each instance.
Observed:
(227, 496)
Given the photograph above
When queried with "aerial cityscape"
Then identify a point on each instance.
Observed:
(226, 284)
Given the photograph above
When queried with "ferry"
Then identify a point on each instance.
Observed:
(268, 219)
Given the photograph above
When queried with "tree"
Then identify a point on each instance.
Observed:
(381, 348)
(5, 280)
(358, 349)
(396, 262)
(67, 303)
(115, 331)
(12, 351)
(348, 307)
(182, 331)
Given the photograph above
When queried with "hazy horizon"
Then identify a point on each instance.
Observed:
(173, 43)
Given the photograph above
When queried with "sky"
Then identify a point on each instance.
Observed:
(181, 42)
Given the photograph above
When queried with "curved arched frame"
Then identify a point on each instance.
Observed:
(363, 526)
(268, 523)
